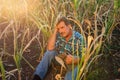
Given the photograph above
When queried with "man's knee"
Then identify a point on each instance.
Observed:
(50, 53)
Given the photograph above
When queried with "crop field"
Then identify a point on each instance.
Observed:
(26, 25)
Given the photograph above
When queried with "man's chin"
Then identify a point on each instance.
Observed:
(63, 36)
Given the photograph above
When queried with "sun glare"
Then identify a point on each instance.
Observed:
(16, 7)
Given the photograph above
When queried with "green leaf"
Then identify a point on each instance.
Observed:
(2, 70)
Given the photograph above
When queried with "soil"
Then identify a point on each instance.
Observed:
(32, 54)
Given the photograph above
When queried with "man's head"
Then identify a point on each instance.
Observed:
(64, 27)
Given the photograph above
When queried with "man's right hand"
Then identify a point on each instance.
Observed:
(56, 30)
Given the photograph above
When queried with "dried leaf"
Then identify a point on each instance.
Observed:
(60, 61)
(90, 38)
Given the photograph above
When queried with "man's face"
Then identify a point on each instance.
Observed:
(63, 29)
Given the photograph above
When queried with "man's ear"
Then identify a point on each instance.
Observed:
(70, 26)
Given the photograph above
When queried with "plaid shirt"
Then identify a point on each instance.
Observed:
(73, 46)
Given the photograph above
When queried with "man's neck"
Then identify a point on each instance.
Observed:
(69, 36)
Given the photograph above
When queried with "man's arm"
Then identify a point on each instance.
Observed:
(52, 40)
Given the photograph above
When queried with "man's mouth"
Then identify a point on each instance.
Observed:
(62, 34)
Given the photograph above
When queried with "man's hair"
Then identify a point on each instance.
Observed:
(64, 19)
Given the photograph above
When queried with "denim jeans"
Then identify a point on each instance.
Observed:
(44, 64)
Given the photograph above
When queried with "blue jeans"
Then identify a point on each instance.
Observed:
(44, 64)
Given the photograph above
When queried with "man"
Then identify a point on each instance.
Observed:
(63, 40)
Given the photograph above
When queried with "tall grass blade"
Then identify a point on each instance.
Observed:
(2, 70)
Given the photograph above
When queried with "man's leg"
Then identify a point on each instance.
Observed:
(42, 68)
(68, 75)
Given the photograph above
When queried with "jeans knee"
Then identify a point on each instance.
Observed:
(50, 53)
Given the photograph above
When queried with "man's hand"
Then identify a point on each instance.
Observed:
(69, 59)
(55, 30)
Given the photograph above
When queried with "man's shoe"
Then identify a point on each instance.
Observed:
(36, 77)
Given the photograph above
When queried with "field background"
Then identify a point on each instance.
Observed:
(25, 26)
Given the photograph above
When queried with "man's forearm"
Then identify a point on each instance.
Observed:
(52, 41)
